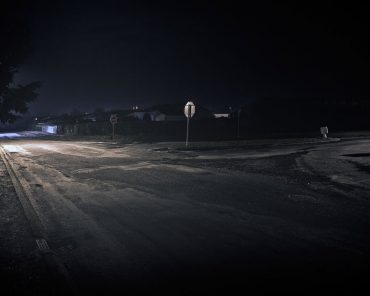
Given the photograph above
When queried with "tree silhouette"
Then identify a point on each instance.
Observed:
(14, 48)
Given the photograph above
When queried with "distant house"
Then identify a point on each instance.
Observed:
(54, 124)
(223, 113)
(149, 115)
(169, 112)
(46, 127)
(89, 117)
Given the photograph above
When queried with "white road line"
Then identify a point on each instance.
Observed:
(13, 148)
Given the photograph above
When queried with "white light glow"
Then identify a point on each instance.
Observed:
(51, 129)
(9, 135)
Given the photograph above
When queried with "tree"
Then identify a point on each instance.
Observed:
(15, 46)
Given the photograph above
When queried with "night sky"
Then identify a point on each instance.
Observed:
(116, 54)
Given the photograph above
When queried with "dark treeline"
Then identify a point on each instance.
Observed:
(289, 115)
(15, 47)
(263, 118)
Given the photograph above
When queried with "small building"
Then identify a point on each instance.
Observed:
(148, 115)
(223, 112)
(221, 115)
(50, 129)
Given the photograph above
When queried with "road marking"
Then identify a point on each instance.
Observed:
(13, 148)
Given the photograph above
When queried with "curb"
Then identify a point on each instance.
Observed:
(61, 283)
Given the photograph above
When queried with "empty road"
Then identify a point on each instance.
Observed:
(147, 216)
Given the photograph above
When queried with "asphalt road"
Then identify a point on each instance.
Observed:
(267, 215)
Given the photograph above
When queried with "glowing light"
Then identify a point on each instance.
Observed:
(50, 129)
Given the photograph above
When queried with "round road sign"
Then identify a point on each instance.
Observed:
(189, 109)
(113, 118)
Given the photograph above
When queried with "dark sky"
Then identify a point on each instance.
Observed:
(114, 54)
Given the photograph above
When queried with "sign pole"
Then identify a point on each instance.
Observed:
(113, 120)
(189, 111)
(238, 131)
(187, 132)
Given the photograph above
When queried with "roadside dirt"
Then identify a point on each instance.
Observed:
(21, 269)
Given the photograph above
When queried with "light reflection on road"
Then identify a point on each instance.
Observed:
(23, 134)
(9, 135)
(13, 148)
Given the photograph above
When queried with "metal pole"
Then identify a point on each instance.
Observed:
(187, 132)
(238, 133)
(113, 131)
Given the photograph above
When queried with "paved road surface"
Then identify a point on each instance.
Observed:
(151, 216)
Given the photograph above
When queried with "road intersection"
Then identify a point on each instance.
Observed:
(146, 215)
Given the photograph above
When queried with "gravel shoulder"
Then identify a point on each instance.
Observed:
(22, 270)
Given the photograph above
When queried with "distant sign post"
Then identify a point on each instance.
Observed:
(324, 131)
(189, 112)
(113, 120)
(238, 130)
